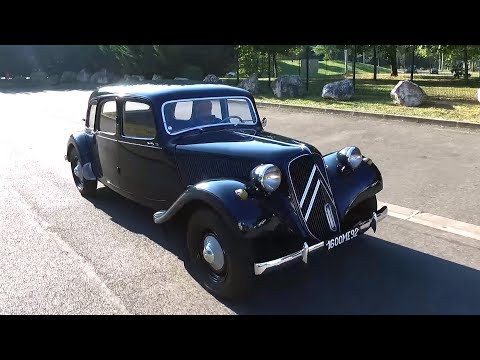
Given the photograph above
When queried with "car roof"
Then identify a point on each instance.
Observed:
(166, 92)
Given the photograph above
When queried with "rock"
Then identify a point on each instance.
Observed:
(156, 77)
(68, 77)
(288, 86)
(251, 84)
(212, 79)
(54, 79)
(38, 77)
(407, 93)
(83, 76)
(338, 90)
(133, 78)
(100, 77)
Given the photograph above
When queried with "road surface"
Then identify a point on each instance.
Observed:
(64, 254)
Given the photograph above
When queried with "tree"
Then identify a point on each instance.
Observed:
(390, 54)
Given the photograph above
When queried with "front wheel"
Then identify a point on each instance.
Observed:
(86, 187)
(220, 258)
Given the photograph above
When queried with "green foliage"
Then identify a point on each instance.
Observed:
(167, 60)
(193, 72)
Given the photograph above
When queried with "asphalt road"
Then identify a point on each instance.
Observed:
(63, 254)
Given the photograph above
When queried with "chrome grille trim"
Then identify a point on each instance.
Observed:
(315, 218)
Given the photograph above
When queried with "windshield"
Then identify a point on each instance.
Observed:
(187, 114)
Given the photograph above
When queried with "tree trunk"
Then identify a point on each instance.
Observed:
(238, 66)
(354, 63)
(269, 70)
(374, 63)
(346, 62)
(465, 59)
(275, 65)
(392, 58)
(413, 63)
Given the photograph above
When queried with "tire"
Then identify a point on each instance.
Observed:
(86, 187)
(235, 279)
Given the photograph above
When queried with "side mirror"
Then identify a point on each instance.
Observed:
(264, 122)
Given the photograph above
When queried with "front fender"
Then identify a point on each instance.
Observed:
(351, 189)
(250, 216)
(83, 143)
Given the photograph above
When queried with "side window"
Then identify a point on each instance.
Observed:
(108, 117)
(138, 120)
(91, 116)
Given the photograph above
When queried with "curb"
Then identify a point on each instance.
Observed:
(418, 120)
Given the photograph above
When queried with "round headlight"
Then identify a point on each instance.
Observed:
(350, 156)
(267, 176)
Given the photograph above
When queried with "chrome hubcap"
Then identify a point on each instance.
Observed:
(213, 253)
(77, 170)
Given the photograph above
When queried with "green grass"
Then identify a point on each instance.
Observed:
(448, 98)
(330, 68)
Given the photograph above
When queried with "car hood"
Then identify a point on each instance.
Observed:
(261, 146)
(233, 153)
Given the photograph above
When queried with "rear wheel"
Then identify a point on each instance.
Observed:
(220, 258)
(86, 187)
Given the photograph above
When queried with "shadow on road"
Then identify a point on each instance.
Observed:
(369, 276)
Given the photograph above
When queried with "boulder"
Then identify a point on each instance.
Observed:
(251, 84)
(83, 76)
(54, 79)
(338, 90)
(100, 77)
(133, 78)
(288, 86)
(68, 77)
(407, 93)
(38, 77)
(212, 79)
(156, 77)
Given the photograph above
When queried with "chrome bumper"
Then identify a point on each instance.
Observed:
(259, 268)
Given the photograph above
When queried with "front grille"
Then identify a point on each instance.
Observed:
(195, 169)
(312, 192)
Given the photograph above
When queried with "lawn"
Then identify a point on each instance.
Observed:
(448, 98)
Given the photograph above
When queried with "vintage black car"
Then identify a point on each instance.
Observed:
(250, 200)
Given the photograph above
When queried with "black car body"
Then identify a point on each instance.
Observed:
(251, 200)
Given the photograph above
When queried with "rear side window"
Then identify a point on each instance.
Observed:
(91, 116)
(138, 121)
(108, 117)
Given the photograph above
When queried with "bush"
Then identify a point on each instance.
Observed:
(192, 72)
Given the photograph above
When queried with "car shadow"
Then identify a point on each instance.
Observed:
(368, 276)
(138, 219)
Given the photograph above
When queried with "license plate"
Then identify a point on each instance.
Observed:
(340, 239)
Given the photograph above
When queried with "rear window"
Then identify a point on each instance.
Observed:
(108, 117)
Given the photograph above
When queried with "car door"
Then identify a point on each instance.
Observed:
(147, 172)
(106, 143)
